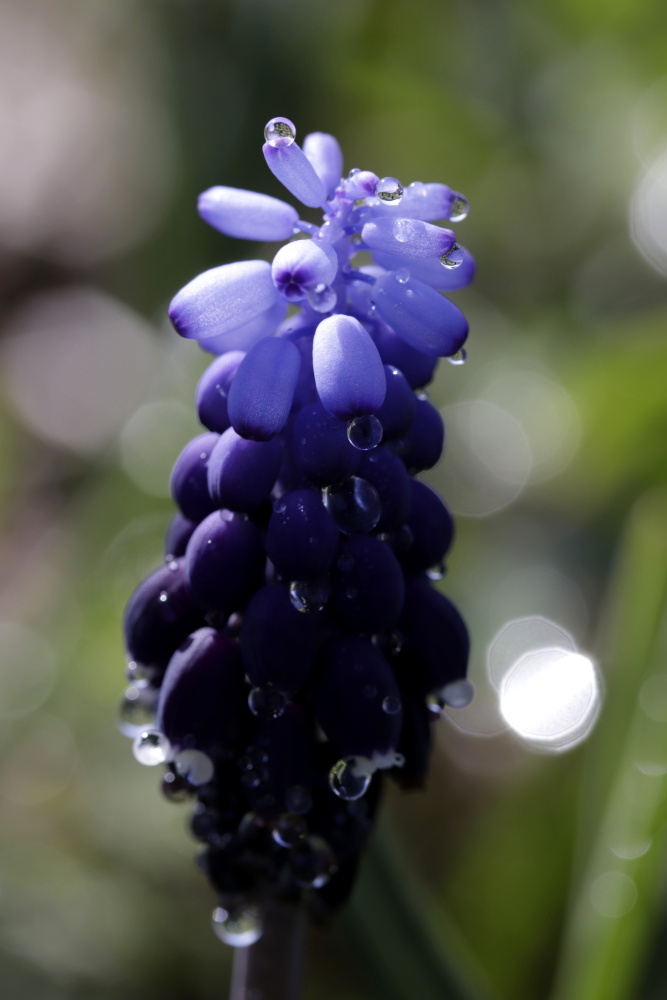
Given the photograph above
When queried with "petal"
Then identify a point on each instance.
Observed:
(349, 373)
(430, 271)
(293, 169)
(213, 390)
(223, 561)
(277, 642)
(302, 540)
(241, 473)
(407, 238)
(368, 589)
(243, 337)
(419, 314)
(223, 299)
(261, 394)
(436, 633)
(301, 266)
(189, 486)
(159, 616)
(247, 215)
(326, 157)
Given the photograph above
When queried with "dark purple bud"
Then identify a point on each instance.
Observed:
(202, 699)
(349, 374)
(423, 444)
(213, 389)
(223, 561)
(397, 411)
(222, 299)
(246, 214)
(407, 238)
(159, 615)
(260, 397)
(293, 169)
(437, 636)
(189, 485)
(368, 587)
(284, 745)
(419, 314)
(417, 367)
(300, 267)
(431, 272)
(321, 448)
(431, 529)
(386, 472)
(355, 689)
(326, 157)
(177, 537)
(302, 540)
(241, 473)
(277, 642)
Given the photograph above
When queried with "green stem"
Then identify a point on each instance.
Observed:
(272, 968)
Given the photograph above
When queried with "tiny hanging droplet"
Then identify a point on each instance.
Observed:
(267, 702)
(308, 597)
(151, 748)
(239, 927)
(364, 433)
(459, 358)
(175, 788)
(459, 209)
(279, 132)
(194, 765)
(402, 275)
(389, 190)
(436, 572)
(322, 300)
(350, 777)
(453, 258)
(354, 505)
(136, 712)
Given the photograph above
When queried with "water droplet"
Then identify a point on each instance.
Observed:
(322, 300)
(402, 275)
(267, 702)
(453, 258)
(175, 788)
(289, 830)
(308, 597)
(313, 863)
(279, 505)
(391, 705)
(238, 927)
(436, 572)
(346, 562)
(396, 640)
(151, 748)
(403, 230)
(350, 777)
(139, 675)
(459, 358)
(164, 597)
(354, 505)
(280, 132)
(389, 190)
(351, 593)
(353, 173)
(298, 800)
(458, 694)
(364, 433)
(137, 710)
(459, 209)
(195, 766)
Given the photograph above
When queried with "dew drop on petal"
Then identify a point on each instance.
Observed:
(453, 258)
(354, 505)
(350, 777)
(289, 830)
(280, 132)
(139, 675)
(238, 927)
(364, 433)
(389, 190)
(308, 597)
(459, 358)
(194, 765)
(175, 788)
(151, 748)
(402, 275)
(267, 702)
(459, 209)
(391, 705)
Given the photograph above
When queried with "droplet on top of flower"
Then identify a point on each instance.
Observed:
(267, 702)
(459, 358)
(280, 132)
(364, 433)
(354, 505)
(238, 927)
(308, 597)
(151, 748)
(453, 258)
(459, 209)
(390, 190)
(350, 777)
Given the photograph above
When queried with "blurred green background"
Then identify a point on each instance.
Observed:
(525, 874)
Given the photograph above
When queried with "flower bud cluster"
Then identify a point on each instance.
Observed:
(292, 647)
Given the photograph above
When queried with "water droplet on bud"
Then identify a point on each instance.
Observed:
(436, 572)
(389, 190)
(350, 777)
(238, 927)
(458, 694)
(354, 505)
(322, 299)
(308, 597)
(267, 702)
(313, 863)
(137, 710)
(151, 748)
(453, 258)
(279, 132)
(391, 705)
(459, 209)
(175, 788)
(459, 358)
(364, 433)
(402, 275)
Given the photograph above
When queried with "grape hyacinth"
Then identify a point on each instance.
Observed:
(292, 651)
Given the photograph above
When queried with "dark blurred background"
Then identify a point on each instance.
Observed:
(535, 862)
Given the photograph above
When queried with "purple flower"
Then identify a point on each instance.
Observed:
(293, 648)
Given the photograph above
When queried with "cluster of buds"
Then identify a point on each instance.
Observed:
(292, 648)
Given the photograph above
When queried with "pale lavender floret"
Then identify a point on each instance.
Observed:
(242, 338)
(293, 169)
(247, 215)
(301, 266)
(261, 394)
(223, 299)
(407, 238)
(361, 184)
(420, 315)
(349, 374)
(326, 157)
(430, 271)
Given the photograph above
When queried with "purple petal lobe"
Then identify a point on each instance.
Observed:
(326, 157)
(222, 299)
(241, 473)
(407, 238)
(425, 319)
(417, 367)
(301, 266)
(349, 373)
(222, 562)
(247, 215)
(293, 169)
(243, 337)
(213, 389)
(189, 486)
(261, 394)
(430, 270)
